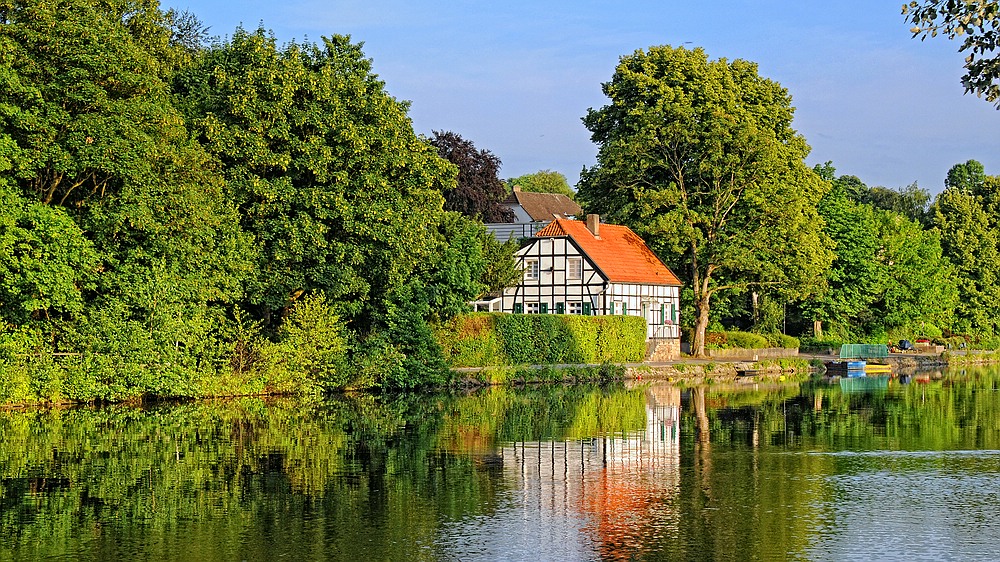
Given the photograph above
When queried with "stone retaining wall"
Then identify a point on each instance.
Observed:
(663, 349)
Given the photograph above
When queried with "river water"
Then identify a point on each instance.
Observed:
(901, 468)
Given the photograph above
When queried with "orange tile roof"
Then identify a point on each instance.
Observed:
(618, 252)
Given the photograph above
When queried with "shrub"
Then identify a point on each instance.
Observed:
(778, 339)
(311, 348)
(377, 363)
(621, 339)
(470, 340)
(746, 340)
(735, 339)
(488, 339)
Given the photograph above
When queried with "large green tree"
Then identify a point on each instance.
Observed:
(543, 181)
(919, 296)
(889, 275)
(971, 243)
(966, 214)
(83, 94)
(977, 22)
(88, 127)
(855, 278)
(479, 192)
(339, 192)
(700, 158)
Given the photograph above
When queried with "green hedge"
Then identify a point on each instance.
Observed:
(496, 339)
(748, 340)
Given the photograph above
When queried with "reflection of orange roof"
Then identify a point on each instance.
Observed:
(618, 252)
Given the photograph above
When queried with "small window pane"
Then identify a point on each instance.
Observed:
(574, 268)
(531, 269)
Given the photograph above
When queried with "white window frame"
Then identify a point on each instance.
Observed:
(574, 268)
(574, 307)
(532, 308)
(532, 269)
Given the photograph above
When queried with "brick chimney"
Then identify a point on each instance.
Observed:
(594, 225)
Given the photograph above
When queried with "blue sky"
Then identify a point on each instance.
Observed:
(516, 77)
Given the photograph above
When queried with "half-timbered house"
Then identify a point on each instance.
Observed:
(576, 267)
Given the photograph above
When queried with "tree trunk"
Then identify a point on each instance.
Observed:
(818, 329)
(700, 326)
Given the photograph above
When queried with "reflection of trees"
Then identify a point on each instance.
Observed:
(376, 470)
(390, 471)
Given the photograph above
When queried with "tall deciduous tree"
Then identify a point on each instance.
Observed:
(970, 243)
(978, 23)
(88, 125)
(480, 191)
(341, 195)
(700, 158)
(543, 181)
(83, 94)
(855, 278)
(889, 274)
(967, 214)
(919, 296)
(910, 201)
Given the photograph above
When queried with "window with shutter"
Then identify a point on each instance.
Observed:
(586, 309)
(560, 308)
(518, 308)
(545, 308)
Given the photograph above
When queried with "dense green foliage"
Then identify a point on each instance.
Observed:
(188, 220)
(543, 181)
(749, 340)
(699, 158)
(477, 340)
(967, 217)
(890, 277)
(242, 217)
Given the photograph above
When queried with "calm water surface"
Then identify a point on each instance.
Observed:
(877, 469)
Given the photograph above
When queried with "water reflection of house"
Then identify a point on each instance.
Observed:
(617, 485)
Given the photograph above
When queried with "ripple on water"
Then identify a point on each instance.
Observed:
(911, 505)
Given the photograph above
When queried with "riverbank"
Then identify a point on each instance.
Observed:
(695, 371)
(685, 370)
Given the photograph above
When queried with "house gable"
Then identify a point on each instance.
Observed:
(569, 270)
(618, 252)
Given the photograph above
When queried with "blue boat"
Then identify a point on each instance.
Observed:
(846, 367)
